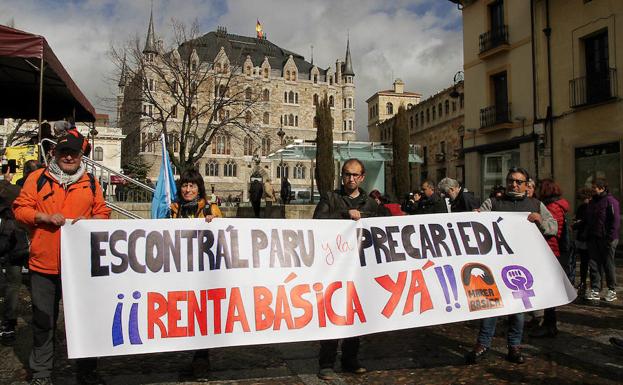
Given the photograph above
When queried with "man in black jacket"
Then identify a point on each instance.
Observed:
(430, 202)
(349, 202)
(460, 200)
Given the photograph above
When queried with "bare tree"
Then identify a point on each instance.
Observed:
(400, 152)
(176, 92)
(325, 165)
(21, 134)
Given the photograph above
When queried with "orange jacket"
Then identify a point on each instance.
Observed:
(78, 200)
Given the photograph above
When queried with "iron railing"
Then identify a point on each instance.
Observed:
(492, 115)
(494, 38)
(593, 88)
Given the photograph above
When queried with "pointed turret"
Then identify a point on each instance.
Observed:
(348, 63)
(150, 42)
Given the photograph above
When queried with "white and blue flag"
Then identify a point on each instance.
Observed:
(165, 187)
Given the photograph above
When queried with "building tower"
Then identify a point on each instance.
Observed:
(348, 95)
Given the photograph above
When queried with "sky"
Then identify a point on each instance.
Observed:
(418, 41)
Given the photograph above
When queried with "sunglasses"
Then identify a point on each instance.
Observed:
(518, 181)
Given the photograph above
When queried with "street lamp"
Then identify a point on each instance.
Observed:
(458, 77)
(281, 134)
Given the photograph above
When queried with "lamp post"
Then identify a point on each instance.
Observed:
(281, 134)
(458, 77)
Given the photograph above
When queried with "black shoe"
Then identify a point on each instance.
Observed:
(476, 355)
(544, 331)
(41, 381)
(90, 378)
(353, 367)
(514, 355)
(7, 332)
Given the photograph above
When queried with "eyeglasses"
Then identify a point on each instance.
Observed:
(348, 175)
(518, 181)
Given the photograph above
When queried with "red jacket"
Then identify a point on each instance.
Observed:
(558, 209)
(78, 200)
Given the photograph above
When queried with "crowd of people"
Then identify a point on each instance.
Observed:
(43, 200)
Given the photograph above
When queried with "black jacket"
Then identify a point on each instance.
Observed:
(431, 205)
(335, 205)
(465, 201)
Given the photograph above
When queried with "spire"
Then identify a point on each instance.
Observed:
(348, 64)
(150, 42)
(123, 75)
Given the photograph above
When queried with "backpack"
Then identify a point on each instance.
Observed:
(43, 179)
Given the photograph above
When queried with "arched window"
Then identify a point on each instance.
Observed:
(350, 102)
(265, 95)
(296, 120)
(221, 145)
(265, 73)
(222, 91)
(296, 98)
(285, 96)
(294, 75)
(409, 106)
(447, 104)
(247, 117)
(212, 168)
(299, 171)
(315, 99)
(427, 115)
(330, 80)
(217, 66)
(422, 117)
(440, 110)
(287, 75)
(315, 78)
(248, 70)
(389, 108)
(248, 145)
(266, 118)
(248, 94)
(433, 112)
(265, 146)
(331, 101)
(291, 97)
(283, 170)
(291, 120)
(229, 168)
(98, 154)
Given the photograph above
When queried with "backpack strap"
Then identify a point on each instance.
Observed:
(41, 180)
(91, 182)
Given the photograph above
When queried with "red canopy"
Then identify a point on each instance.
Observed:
(20, 58)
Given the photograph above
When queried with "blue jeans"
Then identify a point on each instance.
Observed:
(514, 334)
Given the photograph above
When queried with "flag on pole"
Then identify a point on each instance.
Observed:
(258, 29)
(165, 187)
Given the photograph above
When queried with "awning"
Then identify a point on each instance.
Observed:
(343, 150)
(20, 58)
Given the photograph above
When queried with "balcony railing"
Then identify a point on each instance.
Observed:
(593, 88)
(494, 38)
(493, 115)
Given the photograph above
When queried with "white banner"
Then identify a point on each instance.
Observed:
(140, 286)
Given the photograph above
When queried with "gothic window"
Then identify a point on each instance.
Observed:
(330, 80)
(285, 96)
(248, 145)
(294, 75)
(247, 117)
(148, 109)
(218, 67)
(299, 171)
(266, 118)
(248, 70)
(265, 95)
(265, 73)
(296, 98)
(409, 106)
(212, 168)
(265, 146)
(296, 121)
(287, 75)
(291, 97)
(173, 140)
(331, 101)
(248, 94)
(283, 170)
(350, 102)
(221, 145)
(291, 120)
(350, 125)
(229, 168)
(315, 99)
(344, 125)
(98, 154)
(447, 104)
(389, 108)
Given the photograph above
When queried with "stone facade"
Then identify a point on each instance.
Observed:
(287, 88)
(436, 128)
(384, 105)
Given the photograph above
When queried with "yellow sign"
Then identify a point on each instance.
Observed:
(21, 154)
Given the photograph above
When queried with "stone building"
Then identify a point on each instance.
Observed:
(542, 90)
(436, 127)
(384, 104)
(290, 88)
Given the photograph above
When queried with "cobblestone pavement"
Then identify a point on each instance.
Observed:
(580, 354)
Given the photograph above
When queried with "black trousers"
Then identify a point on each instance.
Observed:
(46, 295)
(328, 352)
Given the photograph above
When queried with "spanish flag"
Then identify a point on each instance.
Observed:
(258, 29)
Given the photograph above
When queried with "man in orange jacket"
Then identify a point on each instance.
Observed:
(61, 191)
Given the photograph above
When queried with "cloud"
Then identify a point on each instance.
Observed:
(419, 41)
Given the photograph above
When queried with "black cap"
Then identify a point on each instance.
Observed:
(73, 141)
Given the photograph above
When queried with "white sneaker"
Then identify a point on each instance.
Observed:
(592, 295)
(611, 295)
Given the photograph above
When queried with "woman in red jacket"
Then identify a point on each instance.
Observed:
(551, 196)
